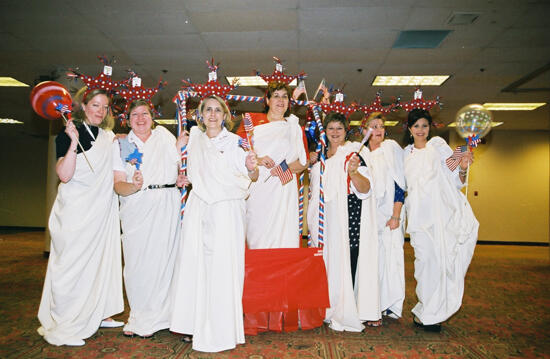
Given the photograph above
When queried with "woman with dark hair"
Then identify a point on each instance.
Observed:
(208, 285)
(385, 161)
(145, 171)
(83, 284)
(440, 221)
(272, 208)
(350, 247)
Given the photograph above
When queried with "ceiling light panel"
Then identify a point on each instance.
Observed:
(429, 80)
(513, 106)
(11, 82)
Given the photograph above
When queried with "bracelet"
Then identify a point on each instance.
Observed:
(396, 218)
(351, 173)
(462, 172)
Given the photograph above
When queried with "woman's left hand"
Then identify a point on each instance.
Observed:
(466, 160)
(393, 223)
(353, 164)
(182, 181)
(251, 161)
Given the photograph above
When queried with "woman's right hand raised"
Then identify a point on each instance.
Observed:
(71, 131)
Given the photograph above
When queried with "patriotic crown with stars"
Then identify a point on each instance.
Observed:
(279, 76)
(338, 105)
(102, 81)
(135, 91)
(212, 87)
(419, 102)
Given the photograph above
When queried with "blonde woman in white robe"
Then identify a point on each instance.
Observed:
(149, 214)
(208, 287)
(350, 251)
(385, 161)
(440, 221)
(83, 285)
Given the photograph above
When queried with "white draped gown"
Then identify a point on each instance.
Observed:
(208, 287)
(349, 306)
(150, 224)
(443, 230)
(272, 208)
(83, 282)
(386, 166)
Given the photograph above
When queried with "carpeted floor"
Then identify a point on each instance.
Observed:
(505, 314)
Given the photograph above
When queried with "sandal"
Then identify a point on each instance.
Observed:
(373, 323)
(187, 338)
(129, 334)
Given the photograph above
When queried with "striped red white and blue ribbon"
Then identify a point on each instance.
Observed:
(181, 117)
(321, 146)
(301, 204)
(241, 98)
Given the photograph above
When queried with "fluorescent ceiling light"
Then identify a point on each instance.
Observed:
(513, 106)
(493, 124)
(164, 121)
(10, 81)
(10, 121)
(431, 80)
(251, 81)
(386, 123)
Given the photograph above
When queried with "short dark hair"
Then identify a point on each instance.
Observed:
(335, 117)
(276, 86)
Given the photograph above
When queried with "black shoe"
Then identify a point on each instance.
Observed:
(433, 328)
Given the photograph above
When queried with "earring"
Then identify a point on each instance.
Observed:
(223, 124)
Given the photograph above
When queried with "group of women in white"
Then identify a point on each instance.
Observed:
(187, 275)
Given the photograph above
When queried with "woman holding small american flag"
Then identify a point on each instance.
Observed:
(209, 276)
(441, 224)
(350, 248)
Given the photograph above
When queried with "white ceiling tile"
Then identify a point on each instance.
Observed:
(251, 40)
(244, 20)
(352, 19)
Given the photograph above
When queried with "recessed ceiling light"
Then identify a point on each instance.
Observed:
(11, 82)
(251, 81)
(164, 121)
(513, 106)
(10, 121)
(493, 124)
(430, 80)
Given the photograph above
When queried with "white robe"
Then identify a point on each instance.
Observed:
(272, 209)
(83, 282)
(386, 166)
(348, 307)
(443, 231)
(208, 286)
(150, 223)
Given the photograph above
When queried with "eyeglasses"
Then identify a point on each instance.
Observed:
(378, 127)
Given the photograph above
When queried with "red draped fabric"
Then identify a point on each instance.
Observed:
(282, 286)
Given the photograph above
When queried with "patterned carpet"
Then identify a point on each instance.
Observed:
(505, 314)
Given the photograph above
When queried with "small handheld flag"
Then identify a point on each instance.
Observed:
(453, 161)
(283, 172)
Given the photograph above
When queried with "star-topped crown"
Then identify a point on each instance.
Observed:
(212, 86)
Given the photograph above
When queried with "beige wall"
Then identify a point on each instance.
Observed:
(511, 177)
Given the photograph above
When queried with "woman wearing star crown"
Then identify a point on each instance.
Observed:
(440, 221)
(209, 279)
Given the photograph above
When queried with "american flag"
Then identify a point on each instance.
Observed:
(453, 161)
(249, 129)
(64, 109)
(247, 121)
(243, 142)
(473, 140)
(283, 172)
